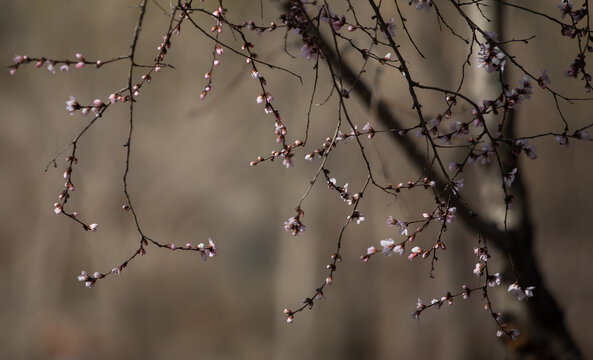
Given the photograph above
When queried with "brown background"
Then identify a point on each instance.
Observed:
(190, 180)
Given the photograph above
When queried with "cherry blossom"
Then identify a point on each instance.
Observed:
(521, 293)
(491, 56)
(510, 177)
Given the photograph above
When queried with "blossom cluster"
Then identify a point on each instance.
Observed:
(491, 56)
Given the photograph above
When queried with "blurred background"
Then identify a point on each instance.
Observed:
(190, 180)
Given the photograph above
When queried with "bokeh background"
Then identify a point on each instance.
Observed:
(190, 180)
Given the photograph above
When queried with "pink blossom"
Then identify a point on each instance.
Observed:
(389, 247)
(294, 225)
(57, 208)
(18, 59)
(562, 139)
(521, 293)
(479, 269)
(358, 216)
(510, 177)
(582, 134)
(544, 80)
(80, 63)
(494, 280)
(72, 105)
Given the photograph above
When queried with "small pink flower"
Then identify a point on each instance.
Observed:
(510, 177)
(93, 227)
(51, 66)
(80, 62)
(479, 269)
(18, 59)
(494, 280)
(582, 134)
(521, 293)
(83, 276)
(358, 216)
(57, 208)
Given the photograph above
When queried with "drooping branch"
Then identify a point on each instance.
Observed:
(517, 242)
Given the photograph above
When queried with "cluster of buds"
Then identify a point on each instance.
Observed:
(323, 150)
(72, 106)
(115, 97)
(340, 136)
(286, 153)
(418, 251)
(448, 216)
(447, 298)
(297, 19)
(205, 250)
(356, 216)
(218, 15)
(64, 65)
(578, 67)
(266, 98)
(89, 280)
(68, 186)
(522, 145)
(426, 183)
(250, 25)
(342, 190)
(326, 15)
(293, 224)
